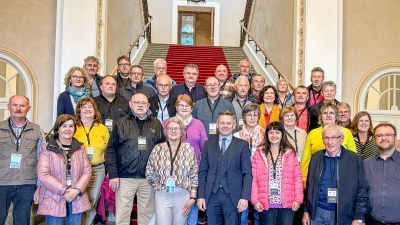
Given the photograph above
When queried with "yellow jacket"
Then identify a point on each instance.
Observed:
(314, 143)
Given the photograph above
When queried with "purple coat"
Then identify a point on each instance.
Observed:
(196, 135)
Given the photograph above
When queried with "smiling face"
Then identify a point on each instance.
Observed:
(274, 137)
(328, 116)
(225, 125)
(317, 78)
(344, 114)
(329, 94)
(212, 87)
(66, 130)
(174, 131)
(300, 95)
(77, 79)
(183, 109)
(385, 139)
(269, 96)
(363, 124)
(289, 119)
(190, 75)
(332, 139)
(18, 107)
(87, 111)
(221, 73)
(251, 119)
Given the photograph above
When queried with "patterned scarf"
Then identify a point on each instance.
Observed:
(186, 122)
(77, 94)
(257, 135)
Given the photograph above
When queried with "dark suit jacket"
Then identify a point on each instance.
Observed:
(154, 106)
(239, 175)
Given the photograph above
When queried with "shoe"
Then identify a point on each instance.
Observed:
(202, 220)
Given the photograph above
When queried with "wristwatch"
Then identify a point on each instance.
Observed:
(194, 198)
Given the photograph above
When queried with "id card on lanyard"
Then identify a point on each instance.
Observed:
(16, 158)
(212, 125)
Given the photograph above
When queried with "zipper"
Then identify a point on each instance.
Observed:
(337, 194)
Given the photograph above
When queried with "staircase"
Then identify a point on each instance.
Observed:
(207, 58)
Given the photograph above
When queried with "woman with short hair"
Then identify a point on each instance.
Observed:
(269, 109)
(285, 97)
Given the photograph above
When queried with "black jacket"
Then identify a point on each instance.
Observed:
(314, 114)
(127, 92)
(114, 110)
(123, 159)
(155, 107)
(352, 188)
(249, 98)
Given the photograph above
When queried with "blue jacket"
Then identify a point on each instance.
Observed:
(151, 82)
(64, 104)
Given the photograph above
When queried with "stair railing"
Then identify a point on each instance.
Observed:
(267, 59)
(146, 30)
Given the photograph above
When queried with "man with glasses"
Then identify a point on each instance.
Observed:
(91, 65)
(190, 87)
(344, 112)
(244, 70)
(131, 142)
(160, 68)
(162, 105)
(124, 66)
(336, 187)
(382, 174)
(241, 98)
(136, 84)
(207, 109)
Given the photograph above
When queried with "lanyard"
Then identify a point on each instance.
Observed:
(87, 134)
(162, 109)
(315, 99)
(295, 139)
(251, 142)
(283, 104)
(173, 158)
(332, 173)
(212, 110)
(244, 103)
(15, 136)
(274, 162)
(301, 113)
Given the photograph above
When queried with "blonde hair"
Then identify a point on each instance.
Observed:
(68, 76)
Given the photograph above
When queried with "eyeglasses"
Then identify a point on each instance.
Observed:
(384, 135)
(139, 103)
(245, 67)
(333, 138)
(124, 64)
(183, 106)
(77, 77)
(289, 115)
(173, 128)
(163, 85)
(212, 85)
(160, 68)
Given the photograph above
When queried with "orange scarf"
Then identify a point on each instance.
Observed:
(273, 118)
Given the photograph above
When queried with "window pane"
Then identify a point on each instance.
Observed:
(4, 114)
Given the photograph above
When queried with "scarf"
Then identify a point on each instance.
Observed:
(274, 115)
(185, 122)
(257, 135)
(77, 94)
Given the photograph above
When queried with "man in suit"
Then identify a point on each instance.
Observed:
(225, 174)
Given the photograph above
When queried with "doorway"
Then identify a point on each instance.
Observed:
(196, 28)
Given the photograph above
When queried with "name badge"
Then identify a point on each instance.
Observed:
(69, 183)
(332, 195)
(241, 124)
(273, 187)
(170, 185)
(142, 143)
(109, 124)
(213, 128)
(90, 153)
(15, 162)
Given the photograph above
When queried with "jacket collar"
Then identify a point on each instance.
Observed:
(133, 116)
(53, 146)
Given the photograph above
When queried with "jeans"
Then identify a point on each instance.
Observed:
(93, 191)
(71, 219)
(193, 215)
(244, 217)
(284, 215)
(21, 196)
(323, 217)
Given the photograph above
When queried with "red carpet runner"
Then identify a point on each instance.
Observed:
(207, 58)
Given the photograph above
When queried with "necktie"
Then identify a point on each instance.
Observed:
(223, 147)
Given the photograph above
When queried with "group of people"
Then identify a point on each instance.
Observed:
(294, 157)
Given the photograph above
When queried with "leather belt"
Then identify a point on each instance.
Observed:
(99, 164)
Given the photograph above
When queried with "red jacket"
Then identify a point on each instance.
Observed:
(292, 185)
(52, 174)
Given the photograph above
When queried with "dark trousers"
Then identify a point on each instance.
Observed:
(21, 196)
(285, 216)
(220, 209)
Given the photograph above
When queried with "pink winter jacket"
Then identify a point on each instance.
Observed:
(292, 185)
(51, 171)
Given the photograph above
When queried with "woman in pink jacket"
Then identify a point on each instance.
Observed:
(277, 188)
(64, 172)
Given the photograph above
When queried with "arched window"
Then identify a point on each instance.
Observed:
(380, 95)
(15, 78)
